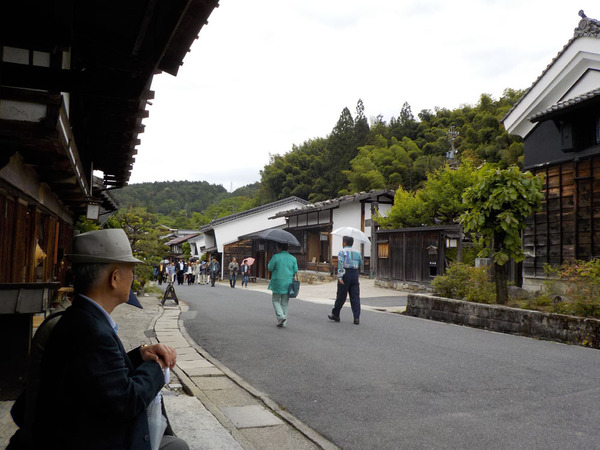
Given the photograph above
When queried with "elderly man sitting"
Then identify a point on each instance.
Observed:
(94, 395)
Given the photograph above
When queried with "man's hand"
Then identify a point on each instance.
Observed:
(341, 280)
(163, 354)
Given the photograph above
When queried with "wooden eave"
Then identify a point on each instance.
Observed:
(115, 50)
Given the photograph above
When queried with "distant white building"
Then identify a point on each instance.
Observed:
(220, 237)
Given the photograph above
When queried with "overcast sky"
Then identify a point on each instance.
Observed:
(265, 75)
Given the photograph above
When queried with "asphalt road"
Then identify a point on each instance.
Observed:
(396, 382)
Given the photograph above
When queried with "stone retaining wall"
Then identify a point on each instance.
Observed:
(552, 327)
(402, 286)
(311, 277)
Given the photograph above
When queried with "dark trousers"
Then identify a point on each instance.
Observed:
(232, 279)
(351, 286)
(213, 278)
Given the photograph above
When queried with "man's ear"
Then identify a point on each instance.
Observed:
(114, 277)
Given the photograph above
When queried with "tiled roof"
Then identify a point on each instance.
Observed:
(565, 105)
(586, 28)
(335, 202)
(180, 239)
(252, 211)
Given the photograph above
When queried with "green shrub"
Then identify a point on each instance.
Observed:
(579, 281)
(136, 285)
(573, 288)
(465, 282)
(469, 253)
(542, 301)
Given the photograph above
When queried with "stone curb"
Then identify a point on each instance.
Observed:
(192, 389)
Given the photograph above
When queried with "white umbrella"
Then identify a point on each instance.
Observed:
(355, 233)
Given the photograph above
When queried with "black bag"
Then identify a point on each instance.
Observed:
(294, 288)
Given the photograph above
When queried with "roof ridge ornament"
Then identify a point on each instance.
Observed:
(587, 27)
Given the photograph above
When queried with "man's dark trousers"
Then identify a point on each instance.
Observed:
(351, 286)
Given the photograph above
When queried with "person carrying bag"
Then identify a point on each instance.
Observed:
(294, 287)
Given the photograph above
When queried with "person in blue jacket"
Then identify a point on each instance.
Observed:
(349, 262)
(283, 267)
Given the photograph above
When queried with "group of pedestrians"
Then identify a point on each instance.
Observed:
(283, 267)
(201, 272)
(182, 272)
(235, 269)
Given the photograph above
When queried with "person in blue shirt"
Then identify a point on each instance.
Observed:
(349, 262)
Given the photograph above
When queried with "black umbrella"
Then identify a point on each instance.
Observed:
(277, 235)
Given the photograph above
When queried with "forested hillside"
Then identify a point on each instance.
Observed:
(166, 196)
(186, 204)
(358, 155)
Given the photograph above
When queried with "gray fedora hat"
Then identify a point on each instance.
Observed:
(102, 246)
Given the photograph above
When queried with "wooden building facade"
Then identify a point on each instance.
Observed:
(73, 95)
(559, 120)
(415, 255)
(312, 225)
(568, 227)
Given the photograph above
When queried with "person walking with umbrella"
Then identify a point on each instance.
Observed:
(245, 272)
(283, 267)
(349, 262)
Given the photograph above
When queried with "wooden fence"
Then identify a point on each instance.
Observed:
(414, 254)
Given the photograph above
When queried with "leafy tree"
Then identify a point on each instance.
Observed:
(405, 125)
(382, 166)
(84, 225)
(250, 191)
(378, 128)
(145, 237)
(187, 250)
(340, 150)
(442, 192)
(439, 201)
(361, 125)
(294, 173)
(497, 206)
(408, 211)
(228, 206)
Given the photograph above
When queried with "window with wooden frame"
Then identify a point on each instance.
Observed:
(383, 250)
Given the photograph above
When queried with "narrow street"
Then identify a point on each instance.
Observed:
(400, 382)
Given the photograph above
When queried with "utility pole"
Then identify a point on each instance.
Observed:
(451, 155)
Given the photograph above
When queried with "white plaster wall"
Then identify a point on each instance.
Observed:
(559, 78)
(589, 82)
(348, 215)
(209, 241)
(229, 232)
(197, 243)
